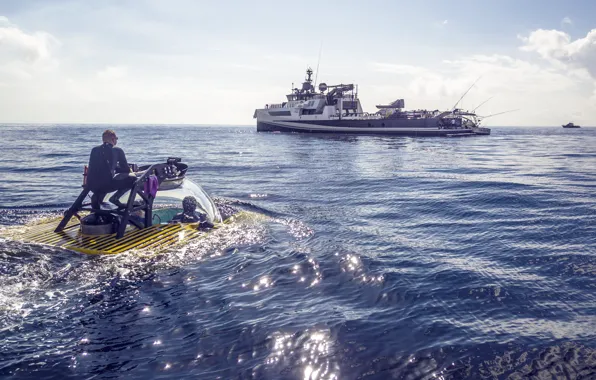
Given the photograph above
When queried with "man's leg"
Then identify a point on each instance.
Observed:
(121, 186)
(97, 199)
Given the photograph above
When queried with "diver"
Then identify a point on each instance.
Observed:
(108, 171)
(191, 215)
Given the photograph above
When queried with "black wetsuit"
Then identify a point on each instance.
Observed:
(195, 217)
(104, 162)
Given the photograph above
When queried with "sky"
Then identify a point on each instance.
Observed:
(214, 62)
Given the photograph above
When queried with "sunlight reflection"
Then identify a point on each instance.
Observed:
(306, 270)
(352, 263)
(263, 282)
(310, 353)
(296, 228)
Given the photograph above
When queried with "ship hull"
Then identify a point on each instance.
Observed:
(418, 128)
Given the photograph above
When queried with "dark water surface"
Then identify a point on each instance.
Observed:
(370, 258)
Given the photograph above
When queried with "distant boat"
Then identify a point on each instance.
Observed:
(570, 125)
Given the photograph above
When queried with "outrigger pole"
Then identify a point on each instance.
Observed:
(466, 92)
(318, 62)
(481, 104)
(500, 113)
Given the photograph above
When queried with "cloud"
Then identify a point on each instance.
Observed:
(441, 24)
(557, 46)
(399, 69)
(544, 93)
(112, 72)
(566, 21)
(116, 71)
(497, 73)
(24, 55)
(17, 45)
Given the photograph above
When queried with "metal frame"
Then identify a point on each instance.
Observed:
(124, 215)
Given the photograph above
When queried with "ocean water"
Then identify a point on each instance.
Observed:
(367, 258)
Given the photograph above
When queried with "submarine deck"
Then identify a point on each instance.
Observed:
(156, 237)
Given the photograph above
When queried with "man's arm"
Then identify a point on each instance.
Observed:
(91, 158)
(122, 163)
(95, 158)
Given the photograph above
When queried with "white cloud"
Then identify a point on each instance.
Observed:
(164, 74)
(24, 55)
(112, 72)
(566, 21)
(441, 24)
(545, 94)
(556, 46)
(18, 45)
(548, 43)
(558, 88)
(399, 69)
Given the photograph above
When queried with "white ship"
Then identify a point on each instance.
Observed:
(337, 109)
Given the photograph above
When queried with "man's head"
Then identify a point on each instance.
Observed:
(109, 136)
(189, 204)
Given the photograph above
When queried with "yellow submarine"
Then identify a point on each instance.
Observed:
(145, 223)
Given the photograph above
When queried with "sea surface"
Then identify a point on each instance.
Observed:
(368, 258)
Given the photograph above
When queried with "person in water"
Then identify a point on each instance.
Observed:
(190, 214)
(108, 171)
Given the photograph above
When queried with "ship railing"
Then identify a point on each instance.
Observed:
(358, 116)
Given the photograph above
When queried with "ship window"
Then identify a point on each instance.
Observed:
(382, 124)
(280, 113)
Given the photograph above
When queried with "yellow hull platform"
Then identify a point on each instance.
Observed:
(157, 237)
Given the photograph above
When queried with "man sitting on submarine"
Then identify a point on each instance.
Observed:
(108, 171)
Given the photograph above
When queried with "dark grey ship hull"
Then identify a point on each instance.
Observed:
(414, 128)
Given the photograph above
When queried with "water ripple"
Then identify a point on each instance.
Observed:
(355, 257)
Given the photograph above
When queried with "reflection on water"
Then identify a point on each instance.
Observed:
(312, 350)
